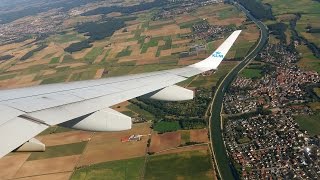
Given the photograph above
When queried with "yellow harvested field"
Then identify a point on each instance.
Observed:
(19, 81)
(160, 142)
(159, 23)
(99, 73)
(161, 42)
(167, 52)
(100, 57)
(10, 164)
(184, 149)
(126, 44)
(185, 18)
(145, 62)
(81, 54)
(73, 65)
(181, 41)
(135, 50)
(107, 146)
(65, 138)
(56, 176)
(172, 29)
(13, 46)
(199, 135)
(180, 49)
(151, 52)
(119, 35)
(48, 166)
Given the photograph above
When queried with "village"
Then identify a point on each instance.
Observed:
(260, 132)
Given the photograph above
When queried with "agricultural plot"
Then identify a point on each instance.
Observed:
(115, 170)
(47, 166)
(311, 124)
(59, 151)
(251, 73)
(105, 147)
(160, 142)
(184, 165)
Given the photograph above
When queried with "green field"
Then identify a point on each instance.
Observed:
(55, 60)
(251, 73)
(68, 59)
(152, 43)
(115, 170)
(165, 126)
(64, 38)
(55, 79)
(91, 56)
(7, 76)
(185, 165)
(59, 151)
(86, 75)
(309, 123)
(124, 52)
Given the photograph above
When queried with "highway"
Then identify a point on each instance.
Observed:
(224, 166)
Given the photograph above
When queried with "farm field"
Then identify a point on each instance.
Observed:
(143, 45)
(122, 169)
(309, 123)
(184, 165)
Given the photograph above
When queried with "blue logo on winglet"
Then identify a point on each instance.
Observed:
(218, 54)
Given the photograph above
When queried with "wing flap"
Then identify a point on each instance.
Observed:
(8, 113)
(68, 112)
(17, 131)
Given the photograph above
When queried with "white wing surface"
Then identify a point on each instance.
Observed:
(25, 112)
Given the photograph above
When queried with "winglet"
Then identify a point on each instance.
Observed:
(213, 61)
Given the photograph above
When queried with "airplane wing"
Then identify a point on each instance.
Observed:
(28, 111)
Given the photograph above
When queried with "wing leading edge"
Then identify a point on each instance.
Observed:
(28, 111)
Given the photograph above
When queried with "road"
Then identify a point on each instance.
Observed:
(224, 167)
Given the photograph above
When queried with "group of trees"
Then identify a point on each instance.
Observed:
(96, 31)
(30, 53)
(278, 30)
(5, 57)
(259, 10)
(78, 46)
(171, 116)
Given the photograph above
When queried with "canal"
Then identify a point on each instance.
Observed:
(225, 167)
